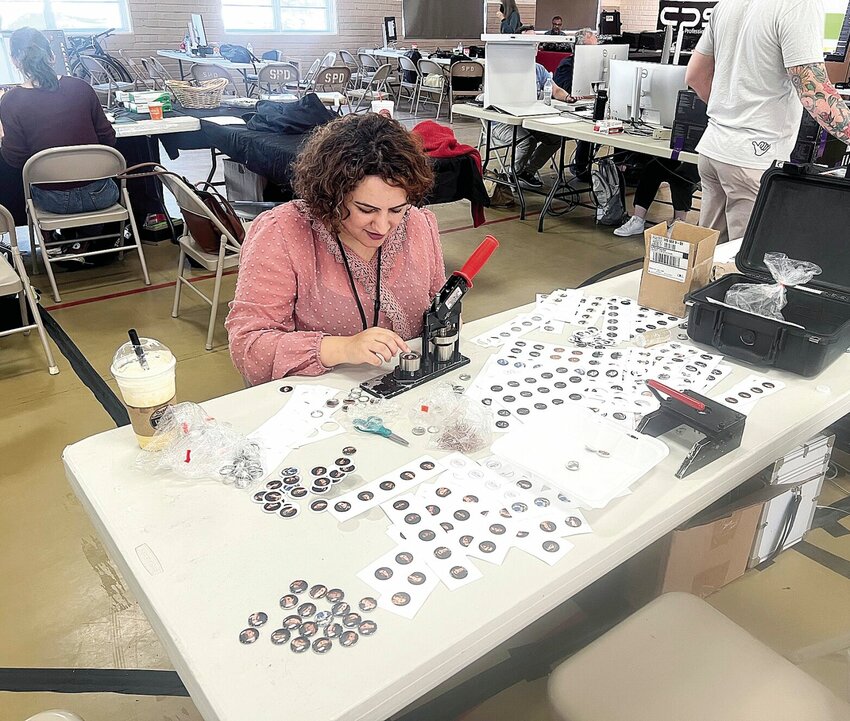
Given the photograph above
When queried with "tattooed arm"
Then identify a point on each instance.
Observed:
(821, 99)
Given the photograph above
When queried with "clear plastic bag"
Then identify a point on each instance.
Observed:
(192, 444)
(454, 422)
(768, 300)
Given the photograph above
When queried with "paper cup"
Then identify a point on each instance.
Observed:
(155, 109)
(383, 107)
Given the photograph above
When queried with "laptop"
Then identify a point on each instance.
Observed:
(526, 109)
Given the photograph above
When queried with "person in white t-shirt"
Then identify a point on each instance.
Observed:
(754, 57)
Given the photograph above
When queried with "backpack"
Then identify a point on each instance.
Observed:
(609, 193)
(236, 53)
(415, 56)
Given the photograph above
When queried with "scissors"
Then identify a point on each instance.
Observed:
(375, 425)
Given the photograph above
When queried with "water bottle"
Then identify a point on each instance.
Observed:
(547, 91)
(250, 48)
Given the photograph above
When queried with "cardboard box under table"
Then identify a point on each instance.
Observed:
(676, 263)
(805, 214)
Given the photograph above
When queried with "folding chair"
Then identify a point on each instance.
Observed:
(278, 78)
(468, 73)
(328, 61)
(347, 59)
(227, 256)
(158, 72)
(143, 80)
(331, 84)
(202, 73)
(102, 78)
(406, 65)
(368, 65)
(72, 164)
(430, 68)
(14, 281)
(375, 89)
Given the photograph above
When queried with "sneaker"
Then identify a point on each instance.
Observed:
(633, 226)
(530, 180)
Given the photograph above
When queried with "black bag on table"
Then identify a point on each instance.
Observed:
(290, 118)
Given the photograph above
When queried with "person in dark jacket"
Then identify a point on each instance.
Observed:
(509, 15)
(46, 111)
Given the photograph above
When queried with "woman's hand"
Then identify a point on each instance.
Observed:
(373, 346)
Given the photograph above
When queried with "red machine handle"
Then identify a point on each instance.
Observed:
(477, 260)
(676, 395)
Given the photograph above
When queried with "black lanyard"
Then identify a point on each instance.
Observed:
(354, 288)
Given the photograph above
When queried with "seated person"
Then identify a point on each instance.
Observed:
(557, 24)
(682, 178)
(47, 111)
(564, 77)
(533, 148)
(344, 274)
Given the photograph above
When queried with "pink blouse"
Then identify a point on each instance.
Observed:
(293, 289)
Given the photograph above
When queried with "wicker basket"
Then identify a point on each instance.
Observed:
(204, 95)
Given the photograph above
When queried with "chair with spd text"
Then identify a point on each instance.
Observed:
(278, 78)
(466, 80)
(226, 257)
(202, 73)
(14, 281)
(78, 164)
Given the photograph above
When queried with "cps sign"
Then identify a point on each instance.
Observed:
(693, 15)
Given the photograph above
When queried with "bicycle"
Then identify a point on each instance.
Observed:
(90, 45)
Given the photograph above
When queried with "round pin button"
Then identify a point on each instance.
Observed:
(249, 635)
(305, 610)
(292, 623)
(290, 471)
(465, 541)
(319, 505)
(461, 515)
(319, 471)
(299, 644)
(351, 620)
(407, 475)
(404, 558)
(497, 529)
(298, 492)
(322, 645)
(573, 521)
(260, 497)
(298, 586)
(412, 518)
(367, 604)
(486, 546)
(417, 578)
(365, 496)
(342, 461)
(442, 552)
(427, 535)
(288, 601)
(273, 507)
(401, 505)
(280, 636)
(368, 628)
(342, 506)
(401, 598)
(274, 484)
(258, 619)
(551, 546)
(341, 609)
(427, 465)
(335, 595)
(323, 482)
(309, 629)
(333, 630)
(387, 485)
(348, 638)
(323, 618)
(288, 510)
(336, 475)
(458, 572)
(349, 451)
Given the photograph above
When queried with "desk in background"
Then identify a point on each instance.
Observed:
(244, 69)
(200, 556)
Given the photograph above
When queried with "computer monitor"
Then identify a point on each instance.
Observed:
(645, 92)
(390, 31)
(199, 34)
(836, 31)
(9, 74)
(591, 66)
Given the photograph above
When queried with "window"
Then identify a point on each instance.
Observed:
(82, 16)
(282, 16)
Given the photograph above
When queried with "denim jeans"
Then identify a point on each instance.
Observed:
(95, 196)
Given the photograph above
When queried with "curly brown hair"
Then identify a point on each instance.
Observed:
(339, 155)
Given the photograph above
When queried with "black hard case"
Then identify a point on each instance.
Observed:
(805, 214)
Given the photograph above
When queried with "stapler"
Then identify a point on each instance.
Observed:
(440, 333)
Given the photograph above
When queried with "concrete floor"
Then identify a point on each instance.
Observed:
(62, 602)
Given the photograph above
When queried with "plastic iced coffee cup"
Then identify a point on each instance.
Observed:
(155, 110)
(146, 391)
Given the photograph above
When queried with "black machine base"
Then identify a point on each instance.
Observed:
(721, 428)
(389, 386)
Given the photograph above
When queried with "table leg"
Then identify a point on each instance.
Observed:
(245, 79)
(515, 176)
(489, 125)
(556, 186)
(180, 69)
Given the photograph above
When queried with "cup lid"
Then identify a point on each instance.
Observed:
(127, 353)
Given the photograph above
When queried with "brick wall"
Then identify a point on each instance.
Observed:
(636, 15)
(160, 25)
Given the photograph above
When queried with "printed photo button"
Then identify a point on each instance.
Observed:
(427, 465)
(404, 558)
(305, 610)
(486, 546)
(319, 505)
(446, 526)
(348, 638)
(319, 471)
(573, 521)
(260, 497)
(368, 628)
(367, 604)
(387, 485)
(401, 505)
(336, 475)
(298, 492)
(335, 595)
(465, 541)
(551, 546)
(258, 619)
(288, 510)
(407, 475)
(280, 636)
(365, 496)
(292, 623)
(288, 601)
(348, 469)
(299, 644)
(342, 461)
(274, 484)
(427, 535)
(322, 645)
(309, 629)
(323, 618)
(290, 471)
(417, 578)
(273, 507)
(342, 506)
(333, 630)
(400, 598)
(249, 635)
(341, 609)
(351, 620)
(442, 552)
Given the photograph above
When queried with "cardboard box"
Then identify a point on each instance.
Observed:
(706, 553)
(674, 264)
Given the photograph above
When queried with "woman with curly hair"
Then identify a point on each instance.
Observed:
(344, 274)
